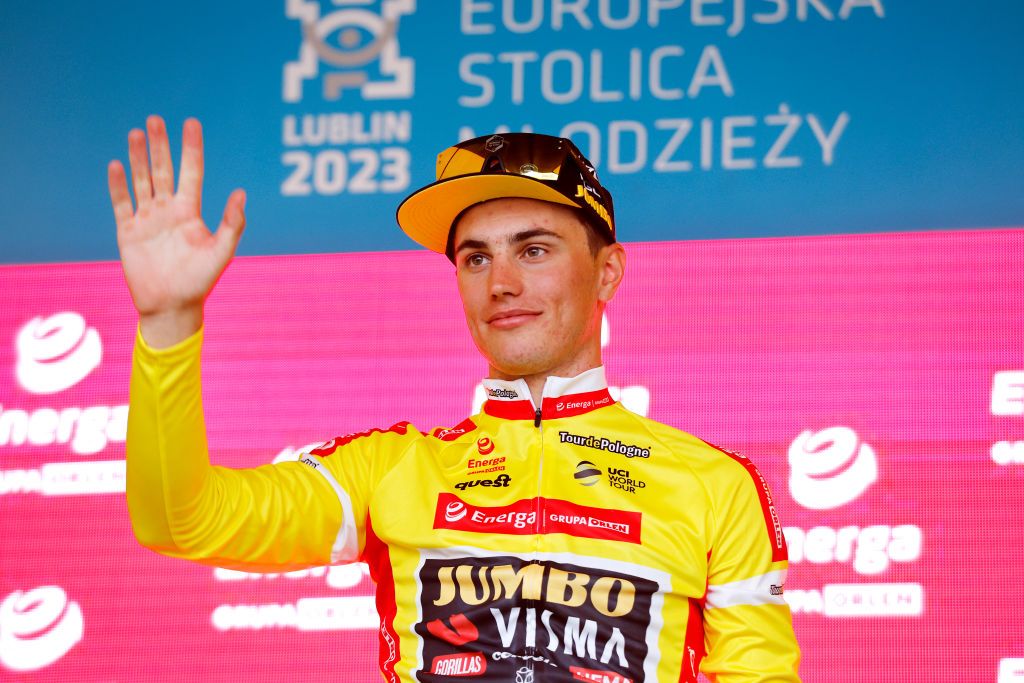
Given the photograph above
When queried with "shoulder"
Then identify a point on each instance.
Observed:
(678, 442)
(399, 433)
(711, 462)
(398, 430)
(460, 432)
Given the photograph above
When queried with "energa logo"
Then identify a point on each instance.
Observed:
(830, 468)
(37, 628)
(56, 353)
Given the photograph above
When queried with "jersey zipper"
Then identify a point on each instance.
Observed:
(538, 531)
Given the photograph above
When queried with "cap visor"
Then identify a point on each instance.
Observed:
(427, 214)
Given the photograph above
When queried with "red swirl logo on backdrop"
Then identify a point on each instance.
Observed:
(485, 446)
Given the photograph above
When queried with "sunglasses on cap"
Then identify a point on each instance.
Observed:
(527, 165)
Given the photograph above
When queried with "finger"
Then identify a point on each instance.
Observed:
(232, 224)
(160, 157)
(190, 184)
(139, 161)
(119, 197)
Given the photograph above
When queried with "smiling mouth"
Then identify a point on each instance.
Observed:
(507, 319)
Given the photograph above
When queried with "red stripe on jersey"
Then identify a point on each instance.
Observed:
(551, 407)
(329, 447)
(510, 410)
(693, 644)
(378, 558)
(771, 518)
(452, 433)
(520, 518)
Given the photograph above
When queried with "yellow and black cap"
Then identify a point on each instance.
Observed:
(528, 165)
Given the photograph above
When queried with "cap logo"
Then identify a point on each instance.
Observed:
(582, 193)
(494, 143)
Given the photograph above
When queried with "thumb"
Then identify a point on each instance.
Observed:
(232, 224)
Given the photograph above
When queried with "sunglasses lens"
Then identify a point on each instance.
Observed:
(550, 160)
(536, 156)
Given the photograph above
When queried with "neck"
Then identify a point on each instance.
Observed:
(536, 381)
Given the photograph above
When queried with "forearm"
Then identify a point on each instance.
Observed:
(266, 518)
(166, 451)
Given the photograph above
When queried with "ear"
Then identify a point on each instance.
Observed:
(611, 260)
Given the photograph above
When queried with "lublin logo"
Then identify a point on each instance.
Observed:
(373, 67)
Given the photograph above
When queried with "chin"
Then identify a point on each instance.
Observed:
(520, 363)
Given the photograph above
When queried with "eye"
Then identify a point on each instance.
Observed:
(475, 260)
(534, 251)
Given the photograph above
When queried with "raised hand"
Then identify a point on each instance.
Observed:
(171, 259)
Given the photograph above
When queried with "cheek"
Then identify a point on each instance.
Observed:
(578, 300)
(466, 296)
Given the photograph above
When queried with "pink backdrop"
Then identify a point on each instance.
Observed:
(878, 382)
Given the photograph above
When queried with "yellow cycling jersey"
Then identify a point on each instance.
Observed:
(576, 541)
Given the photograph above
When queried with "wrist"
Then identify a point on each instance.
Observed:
(167, 328)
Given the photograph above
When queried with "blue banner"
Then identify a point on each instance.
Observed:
(706, 118)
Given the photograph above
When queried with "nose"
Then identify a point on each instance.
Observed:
(504, 278)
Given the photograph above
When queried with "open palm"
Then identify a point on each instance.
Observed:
(171, 259)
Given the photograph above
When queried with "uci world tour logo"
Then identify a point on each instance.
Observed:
(350, 47)
(587, 473)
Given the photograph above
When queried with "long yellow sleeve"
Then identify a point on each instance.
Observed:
(747, 624)
(274, 517)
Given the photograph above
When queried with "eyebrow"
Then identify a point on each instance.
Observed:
(515, 238)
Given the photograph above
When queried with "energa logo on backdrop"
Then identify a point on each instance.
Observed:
(38, 627)
(336, 42)
(830, 468)
(56, 353)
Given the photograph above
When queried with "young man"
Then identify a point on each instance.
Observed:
(555, 536)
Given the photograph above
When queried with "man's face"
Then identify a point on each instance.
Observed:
(532, 291)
